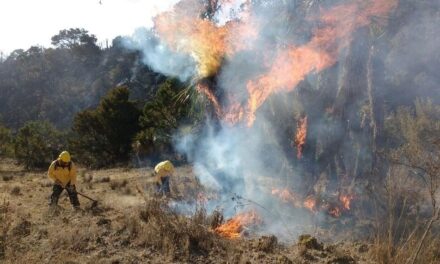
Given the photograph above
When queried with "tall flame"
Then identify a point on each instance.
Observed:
(233, 227)
(293, 64)
(300, 137)
(185, 31)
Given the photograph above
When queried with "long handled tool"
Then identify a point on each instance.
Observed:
(94, 202)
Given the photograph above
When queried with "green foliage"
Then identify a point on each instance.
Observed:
(37, 144)
(103, 136)
(6, 142)
(72, 37)
(55, 83)
(162, 116)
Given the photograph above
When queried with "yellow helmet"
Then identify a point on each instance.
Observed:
(164, 166)
(64, 156)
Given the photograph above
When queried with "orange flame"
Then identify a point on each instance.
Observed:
(287, 196)
(184, 31)
(310, 203)
(292, 65)
(346, 200)
(300, 137)
(204, 89)
(233, 228)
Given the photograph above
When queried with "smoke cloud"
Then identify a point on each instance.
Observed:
(276, 62)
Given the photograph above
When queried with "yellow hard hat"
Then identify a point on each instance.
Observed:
(164, 165)
(64, 156)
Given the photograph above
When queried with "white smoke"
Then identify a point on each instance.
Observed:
(159, 57)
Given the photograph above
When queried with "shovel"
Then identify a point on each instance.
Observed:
(94, 202)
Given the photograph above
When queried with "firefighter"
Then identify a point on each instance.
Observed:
(163, 171)
(63, 172)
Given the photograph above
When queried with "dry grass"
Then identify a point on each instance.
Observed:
(137, 228)
(5, 223)
(403, 214)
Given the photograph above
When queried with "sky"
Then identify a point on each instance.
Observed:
(24, 23)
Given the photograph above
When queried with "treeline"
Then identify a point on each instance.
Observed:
(101, 104)
(54, 84)
(115, 132)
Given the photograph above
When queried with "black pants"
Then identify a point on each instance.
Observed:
(163, 188)
(58, 189)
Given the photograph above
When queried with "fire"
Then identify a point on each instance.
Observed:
(287, 196)
(233, 228)
(292, 65)
(310, 203)
(204, 89)
(300, 137)
(185, 31)
(346, 200)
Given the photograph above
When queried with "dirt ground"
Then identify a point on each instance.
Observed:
(128, 227)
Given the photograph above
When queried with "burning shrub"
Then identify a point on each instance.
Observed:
(234, 227)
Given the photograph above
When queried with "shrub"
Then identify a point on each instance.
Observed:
(6, 142)
(103, 136)
(37, 144)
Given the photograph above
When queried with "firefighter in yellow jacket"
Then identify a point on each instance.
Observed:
(163, 171)
(63, 172)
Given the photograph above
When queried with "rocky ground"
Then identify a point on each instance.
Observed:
(128, 226)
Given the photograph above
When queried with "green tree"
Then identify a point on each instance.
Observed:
(103, 136)
(68, 38)
(162, 116)
(37, 144)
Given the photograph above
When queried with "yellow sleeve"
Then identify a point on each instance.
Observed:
(72, 174)
(51, 171)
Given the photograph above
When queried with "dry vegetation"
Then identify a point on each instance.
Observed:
(130, 226)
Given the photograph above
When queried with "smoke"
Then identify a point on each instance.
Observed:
(159, 57)
(275, 63)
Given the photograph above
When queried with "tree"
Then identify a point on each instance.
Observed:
(37, 144)
(103, 136)
(162, 116)
(69, 38)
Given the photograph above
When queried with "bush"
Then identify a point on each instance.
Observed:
(37, 144)
(162, 116)
(6, 142)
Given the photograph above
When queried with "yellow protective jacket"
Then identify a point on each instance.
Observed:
(163, 169)
(64, 175)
